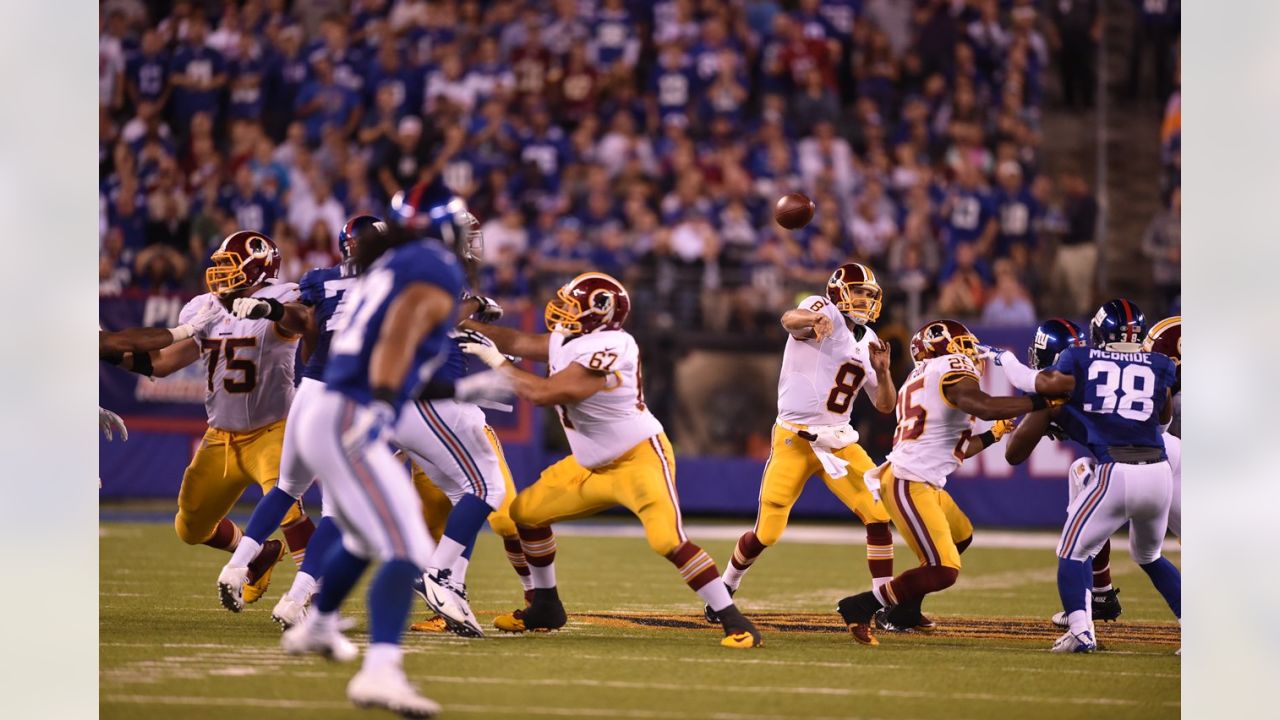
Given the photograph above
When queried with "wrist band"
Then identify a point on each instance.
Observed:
(142, 364)
(385, 394)
(276, 311)
(1038, 402)
(988, 439)
(111, 358)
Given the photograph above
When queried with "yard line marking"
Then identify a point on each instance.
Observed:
(462, 708)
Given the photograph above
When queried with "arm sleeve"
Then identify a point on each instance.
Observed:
(1020, 376)
(1066, 362)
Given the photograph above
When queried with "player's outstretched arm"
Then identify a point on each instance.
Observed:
(1053, 382)
(804, 324)
(571, 385)
(1025, 438)
(966, 395)
(290, 318)
(531, 346)
(111, 344)
(165, 362)
(886, 397)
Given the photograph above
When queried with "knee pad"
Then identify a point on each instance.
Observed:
(188, 534)
(502, 525)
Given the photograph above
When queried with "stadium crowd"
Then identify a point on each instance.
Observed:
(644, 139)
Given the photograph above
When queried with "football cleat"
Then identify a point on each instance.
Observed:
(904, 617)
(1081, 642)
(231, 587)
(1060, 619)
(389, 689)
(711, 615)
(739, 632)
(1106, 605)
(288, 612)
(512, 622)
(259, 578)
(545, 613)
(450, 602)
(433, 624)
(308, 636)
(857, 611)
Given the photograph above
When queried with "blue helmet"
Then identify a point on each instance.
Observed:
(1118, 322)
(352, 230)
(1052, 337)
(432, 210)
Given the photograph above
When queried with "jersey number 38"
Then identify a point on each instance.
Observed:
(1125, 391)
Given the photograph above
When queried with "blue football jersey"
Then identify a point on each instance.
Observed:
(323, 290)
(1119, 396)
(365, 309)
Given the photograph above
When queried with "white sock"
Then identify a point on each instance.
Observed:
(458, 573)
(526, 581)
(304, 586)
(715, 595)
(543, 577)
(1078, 621)
(381, 655)
(246, 551)
(733, 576)
(447, 553)
(879, 582)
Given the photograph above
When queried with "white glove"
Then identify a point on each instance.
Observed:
(474, 343)
(250, 308)
(490, 311)
(109, 422)
(489, 387)
(368, 426)
(200, 322)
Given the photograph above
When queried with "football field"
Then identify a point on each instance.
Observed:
(636, 645)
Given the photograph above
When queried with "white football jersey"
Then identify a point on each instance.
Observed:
(616, 419)
(929, 442)
(250, 365)
(820, 379)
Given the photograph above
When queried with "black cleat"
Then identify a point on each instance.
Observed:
(545, 612)
(858, 609)
(739, 632)
(711, 615)
(1106, 605)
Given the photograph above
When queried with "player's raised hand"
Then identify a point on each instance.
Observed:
(110, 423)
(821, 327)
(479, 345)
(257, 309)
(490, 311)
(207, 316)
(880, 356)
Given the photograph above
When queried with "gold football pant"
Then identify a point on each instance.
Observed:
(791, 464)
(642, 480)
(927, 518)
(224, 466)
(436, 504)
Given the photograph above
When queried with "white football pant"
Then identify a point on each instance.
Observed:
(452, 444)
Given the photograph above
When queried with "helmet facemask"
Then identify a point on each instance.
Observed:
(227, 274)
(562, 313)
(862, 308)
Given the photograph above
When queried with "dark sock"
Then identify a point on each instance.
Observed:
(322, 541)
(297, 535)
(390, 598)
(1102, 567)
(341, 571)
(915, 583)
(1168, 582)
(267, 515)
(1073, 579)
(225, 536)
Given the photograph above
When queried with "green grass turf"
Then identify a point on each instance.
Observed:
(168, 649)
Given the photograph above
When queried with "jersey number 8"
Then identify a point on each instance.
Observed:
(848, 379)
(1136, 384)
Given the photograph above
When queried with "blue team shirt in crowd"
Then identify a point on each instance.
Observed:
(366, 308)
(1118, 397)
(197, 64)
(971, 210)
(323, 289)
(149, 73)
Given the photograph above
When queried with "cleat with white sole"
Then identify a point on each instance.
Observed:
(231, 587)
(1081, 642)
(288, 612)
(1060, 619)
(308, 637)
(387, 688)
(450, 602)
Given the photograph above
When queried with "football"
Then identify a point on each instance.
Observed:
(793, 211)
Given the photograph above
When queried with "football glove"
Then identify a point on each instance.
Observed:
(479, 345)
(368, 426)
(200, 322)
(257, 309)
(110, 423)
(490, 311)
(1002, 428)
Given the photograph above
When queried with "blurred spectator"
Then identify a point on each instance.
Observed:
(1008, 303)
(1076, 264)
(963, 293)
(1077, 28)
(1156, 27)
(1162, 242)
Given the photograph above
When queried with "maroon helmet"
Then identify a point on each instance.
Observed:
(592, 301)
(244, 259)
(862, 308)
(943, 337)
(1165, 337)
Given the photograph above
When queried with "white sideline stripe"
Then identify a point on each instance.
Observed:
(477, 709)
(839, 535)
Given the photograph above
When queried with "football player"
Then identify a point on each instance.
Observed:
(250, 365)
(621, 455)
(937, 406)
(831, 355)
(320, 294)
(1120, 395)
(392, 338)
